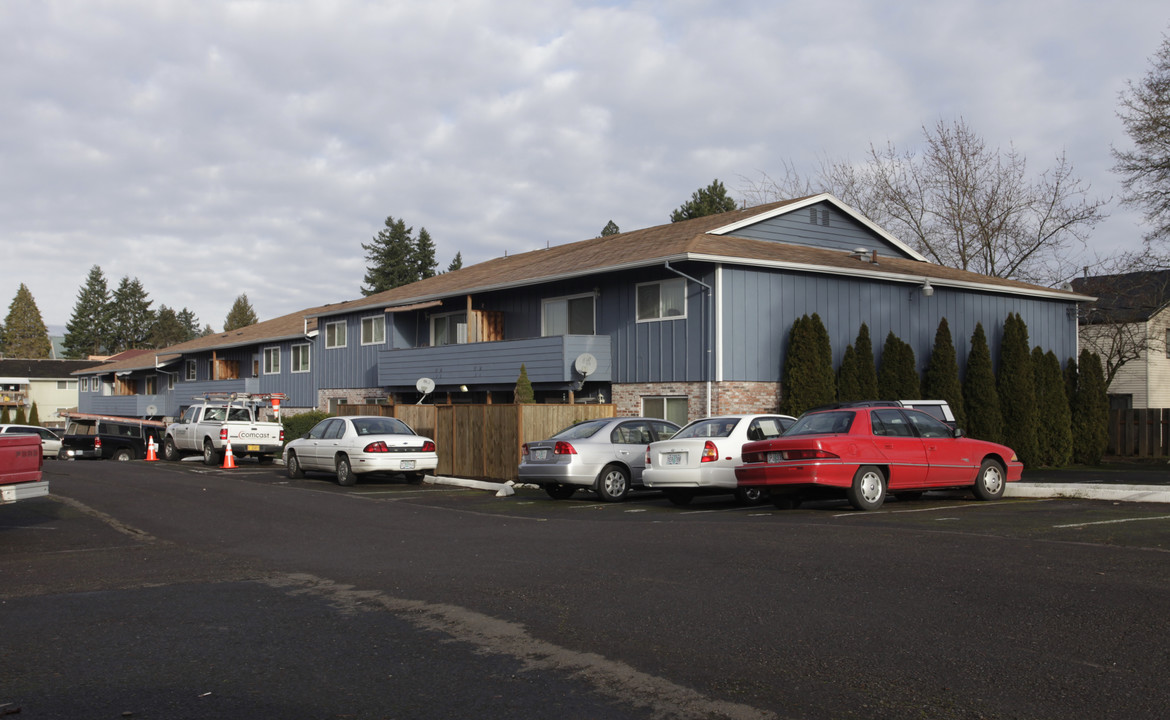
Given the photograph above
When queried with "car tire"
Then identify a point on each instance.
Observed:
(678, 497)
(751, 495)
(123, 455)
(63, 455)
(868, 490)
(293, 466)
(210, 457)
(786, 502)
(990, 482)
(560, 492)
(171, 451)
(345, 476)
(613, 484)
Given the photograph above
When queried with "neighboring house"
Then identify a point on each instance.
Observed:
(1128, 326)
(679, 320)
(48, 383)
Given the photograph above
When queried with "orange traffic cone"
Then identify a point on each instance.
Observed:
(229, 461)
(151, 454)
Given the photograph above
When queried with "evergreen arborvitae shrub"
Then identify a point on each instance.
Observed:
(848, 387)
(1090, 411)
(1053, 427)
(296, 426)
(940, 381)
(1016, 383)
(5, 418)
(898, 377)
(980, 396)
(808, 367)
(34, 418)
(20, 418)
(826, 379)
(866, 368)
(524, 391)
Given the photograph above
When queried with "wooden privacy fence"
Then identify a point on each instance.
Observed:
(483, 441)
(1139, 433)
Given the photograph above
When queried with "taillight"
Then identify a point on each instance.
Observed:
(807, 454)
(223, 433)
(428, 446)
(710, 452)
(376, 447)
(564, 448)
(97, 443)
(524, 449)
(647, 456)
(282, 437)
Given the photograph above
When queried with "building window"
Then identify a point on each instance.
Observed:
(569, 316)
(373, 330)
(450, 329)
(189, 372)
(335, 334)
(84, 384)
(664, 300)
(300, 358)
(673, 409)
(151, 384)
(272, 361)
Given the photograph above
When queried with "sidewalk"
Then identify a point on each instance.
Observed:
(1120, 481)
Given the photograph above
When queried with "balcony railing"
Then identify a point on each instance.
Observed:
(546, 360)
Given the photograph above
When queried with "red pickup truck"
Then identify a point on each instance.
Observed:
(20, 468)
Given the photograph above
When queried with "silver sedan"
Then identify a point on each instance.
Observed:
(354, 445)
(605, 455)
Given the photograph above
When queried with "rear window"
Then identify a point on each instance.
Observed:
(823, 423)
(709, 428)
(581, 430)
(81, 427)
(380, 426)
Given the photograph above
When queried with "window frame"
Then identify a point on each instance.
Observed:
(271, 360)
(190, 371)
(376, 322)
(667, 401)
(544, 304)
(294, 357)
(84, 385)
(331, 339)
(660, 284)
(445, 316)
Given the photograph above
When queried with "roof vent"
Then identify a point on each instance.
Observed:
(859, 253)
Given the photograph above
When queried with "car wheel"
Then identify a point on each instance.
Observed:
(868, 490)
(560, 492)
(293, 466)
(786, 502)
(613, 485)
(908, 496)
(63, 455)
(170, 451)
(123, 455)
(679, 497)
(989, 484)
(750, 495)
(210, 457)
(345, 476)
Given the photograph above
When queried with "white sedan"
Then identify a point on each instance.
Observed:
(703, 455)
(352, 446)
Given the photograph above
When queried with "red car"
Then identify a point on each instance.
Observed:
(871, 451)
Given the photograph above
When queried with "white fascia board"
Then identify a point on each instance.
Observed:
(823, 197)
(914, 279)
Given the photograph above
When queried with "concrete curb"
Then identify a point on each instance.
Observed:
(500, 489)
(1122, 493)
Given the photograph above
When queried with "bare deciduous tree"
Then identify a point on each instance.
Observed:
(962, 204)
(1145, 169)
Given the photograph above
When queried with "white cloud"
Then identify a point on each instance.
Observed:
(211, 148)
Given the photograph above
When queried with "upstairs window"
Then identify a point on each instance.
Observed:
(300, 358)
(272, 361)
(189, 371)
(573, 315)
(373, 330)
(450, 329)
(665, 300)
(335, 334)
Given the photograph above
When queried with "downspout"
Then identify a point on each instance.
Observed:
(702, 329)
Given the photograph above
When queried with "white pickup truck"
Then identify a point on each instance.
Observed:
(209, 427)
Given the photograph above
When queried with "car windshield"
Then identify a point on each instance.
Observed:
(823, 423)
(581, 430)
(380, 426)
(709, 428)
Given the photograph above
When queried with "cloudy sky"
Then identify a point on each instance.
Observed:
(213, 148)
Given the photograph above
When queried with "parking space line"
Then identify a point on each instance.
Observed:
(1113, 522)
(932, 509)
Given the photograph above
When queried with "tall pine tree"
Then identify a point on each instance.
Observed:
(131, 317)
(88, 330)
(25, 334)
(240, 315)
(395, 257)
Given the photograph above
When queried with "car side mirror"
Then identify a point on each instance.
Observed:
(958, 432)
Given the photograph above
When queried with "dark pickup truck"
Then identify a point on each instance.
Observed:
(108, 437)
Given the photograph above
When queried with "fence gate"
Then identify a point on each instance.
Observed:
(1139, 432)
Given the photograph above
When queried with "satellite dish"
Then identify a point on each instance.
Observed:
(152, 410)
(585, 364)
(424, 385)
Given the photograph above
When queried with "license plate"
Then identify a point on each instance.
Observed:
(775, 457)
(253, 448)
(541, 454)
(406, 465)
(674, 458)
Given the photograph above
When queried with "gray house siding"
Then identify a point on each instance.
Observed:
(354, 365)
(759, 307)
(841, 233)
(546, 360)
(668, 350)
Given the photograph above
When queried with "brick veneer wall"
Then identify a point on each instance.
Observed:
(348, 396)
(726, 397)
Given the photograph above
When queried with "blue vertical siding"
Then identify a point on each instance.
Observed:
(759, 307)
(842, 232)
